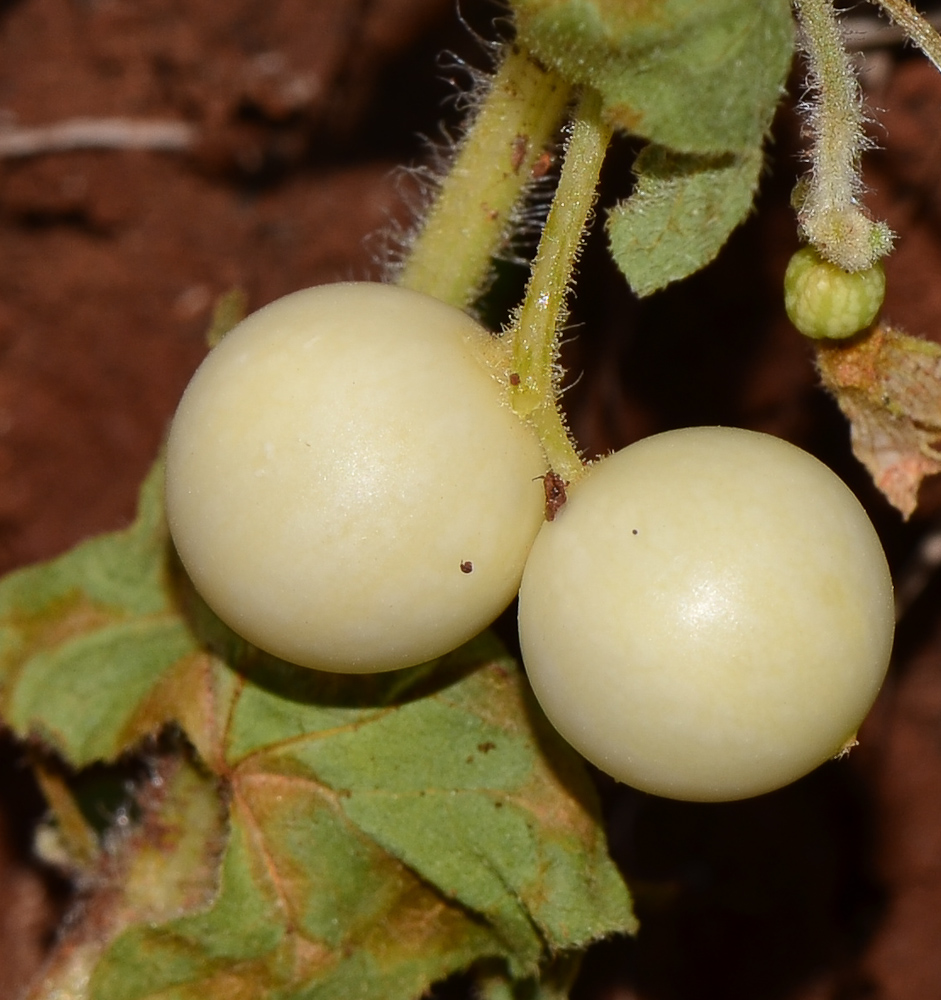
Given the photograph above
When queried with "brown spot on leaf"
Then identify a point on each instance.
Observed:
(623, 116)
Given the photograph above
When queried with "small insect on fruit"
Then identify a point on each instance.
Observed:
(709, 617)
(554, 486)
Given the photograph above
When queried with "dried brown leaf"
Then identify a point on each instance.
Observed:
(888, 385)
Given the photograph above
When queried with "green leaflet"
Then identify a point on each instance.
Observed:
(85, 638)
(389, 939)
(378, 847)
(699, 77)
(699, 80)
(382, 832)
(682, 211)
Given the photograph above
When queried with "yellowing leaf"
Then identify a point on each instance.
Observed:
(383, 836)
(378, 832)
(889, 387)
(166, 864)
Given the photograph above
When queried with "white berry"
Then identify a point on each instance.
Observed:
(710, 616)
(346, 486)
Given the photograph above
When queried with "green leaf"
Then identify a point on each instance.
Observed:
(87, 637)
(326, 915)
(681, 213)
(699, 77)
(381, 831)
(386, 832)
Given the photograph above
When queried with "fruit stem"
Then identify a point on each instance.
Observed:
(915, 27)
(827, 202)
(472, 215)
(536, 328)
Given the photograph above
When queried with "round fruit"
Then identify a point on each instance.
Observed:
(345, 485)
(709, 616)
(824, 301)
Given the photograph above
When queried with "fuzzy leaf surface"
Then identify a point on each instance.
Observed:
(697, 77)
(383, 830)
(682, 211)
(386, 831)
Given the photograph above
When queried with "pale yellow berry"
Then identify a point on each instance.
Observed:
(709, 616)
(346, 486)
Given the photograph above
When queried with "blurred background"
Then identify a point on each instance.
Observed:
(260, 145)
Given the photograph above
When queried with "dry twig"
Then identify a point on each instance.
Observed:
(96, 133)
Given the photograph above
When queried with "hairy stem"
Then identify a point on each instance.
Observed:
(828, 202)
(470, 219)
(537, 327)
(915, 26)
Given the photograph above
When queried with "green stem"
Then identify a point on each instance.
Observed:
(838, 121)
(828, 209)
(915, 26)
(469, 220)
(537, 328)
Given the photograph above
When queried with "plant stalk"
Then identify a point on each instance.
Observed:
(915, 26)
(828, 202)
(471, 218)
(536, 330)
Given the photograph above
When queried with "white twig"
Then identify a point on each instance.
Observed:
(96, 133)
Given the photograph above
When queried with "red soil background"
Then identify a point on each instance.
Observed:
(110, 262)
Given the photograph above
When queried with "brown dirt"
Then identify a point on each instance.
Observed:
(110, 262)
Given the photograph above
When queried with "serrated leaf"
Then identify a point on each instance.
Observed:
(86, 637)
(697, 77)
(373, 930)
(681, 213)
(386, 830)
(888, 386)
(381, 843)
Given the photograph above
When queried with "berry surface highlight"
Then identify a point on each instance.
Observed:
(709, 617)
(346, 486)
